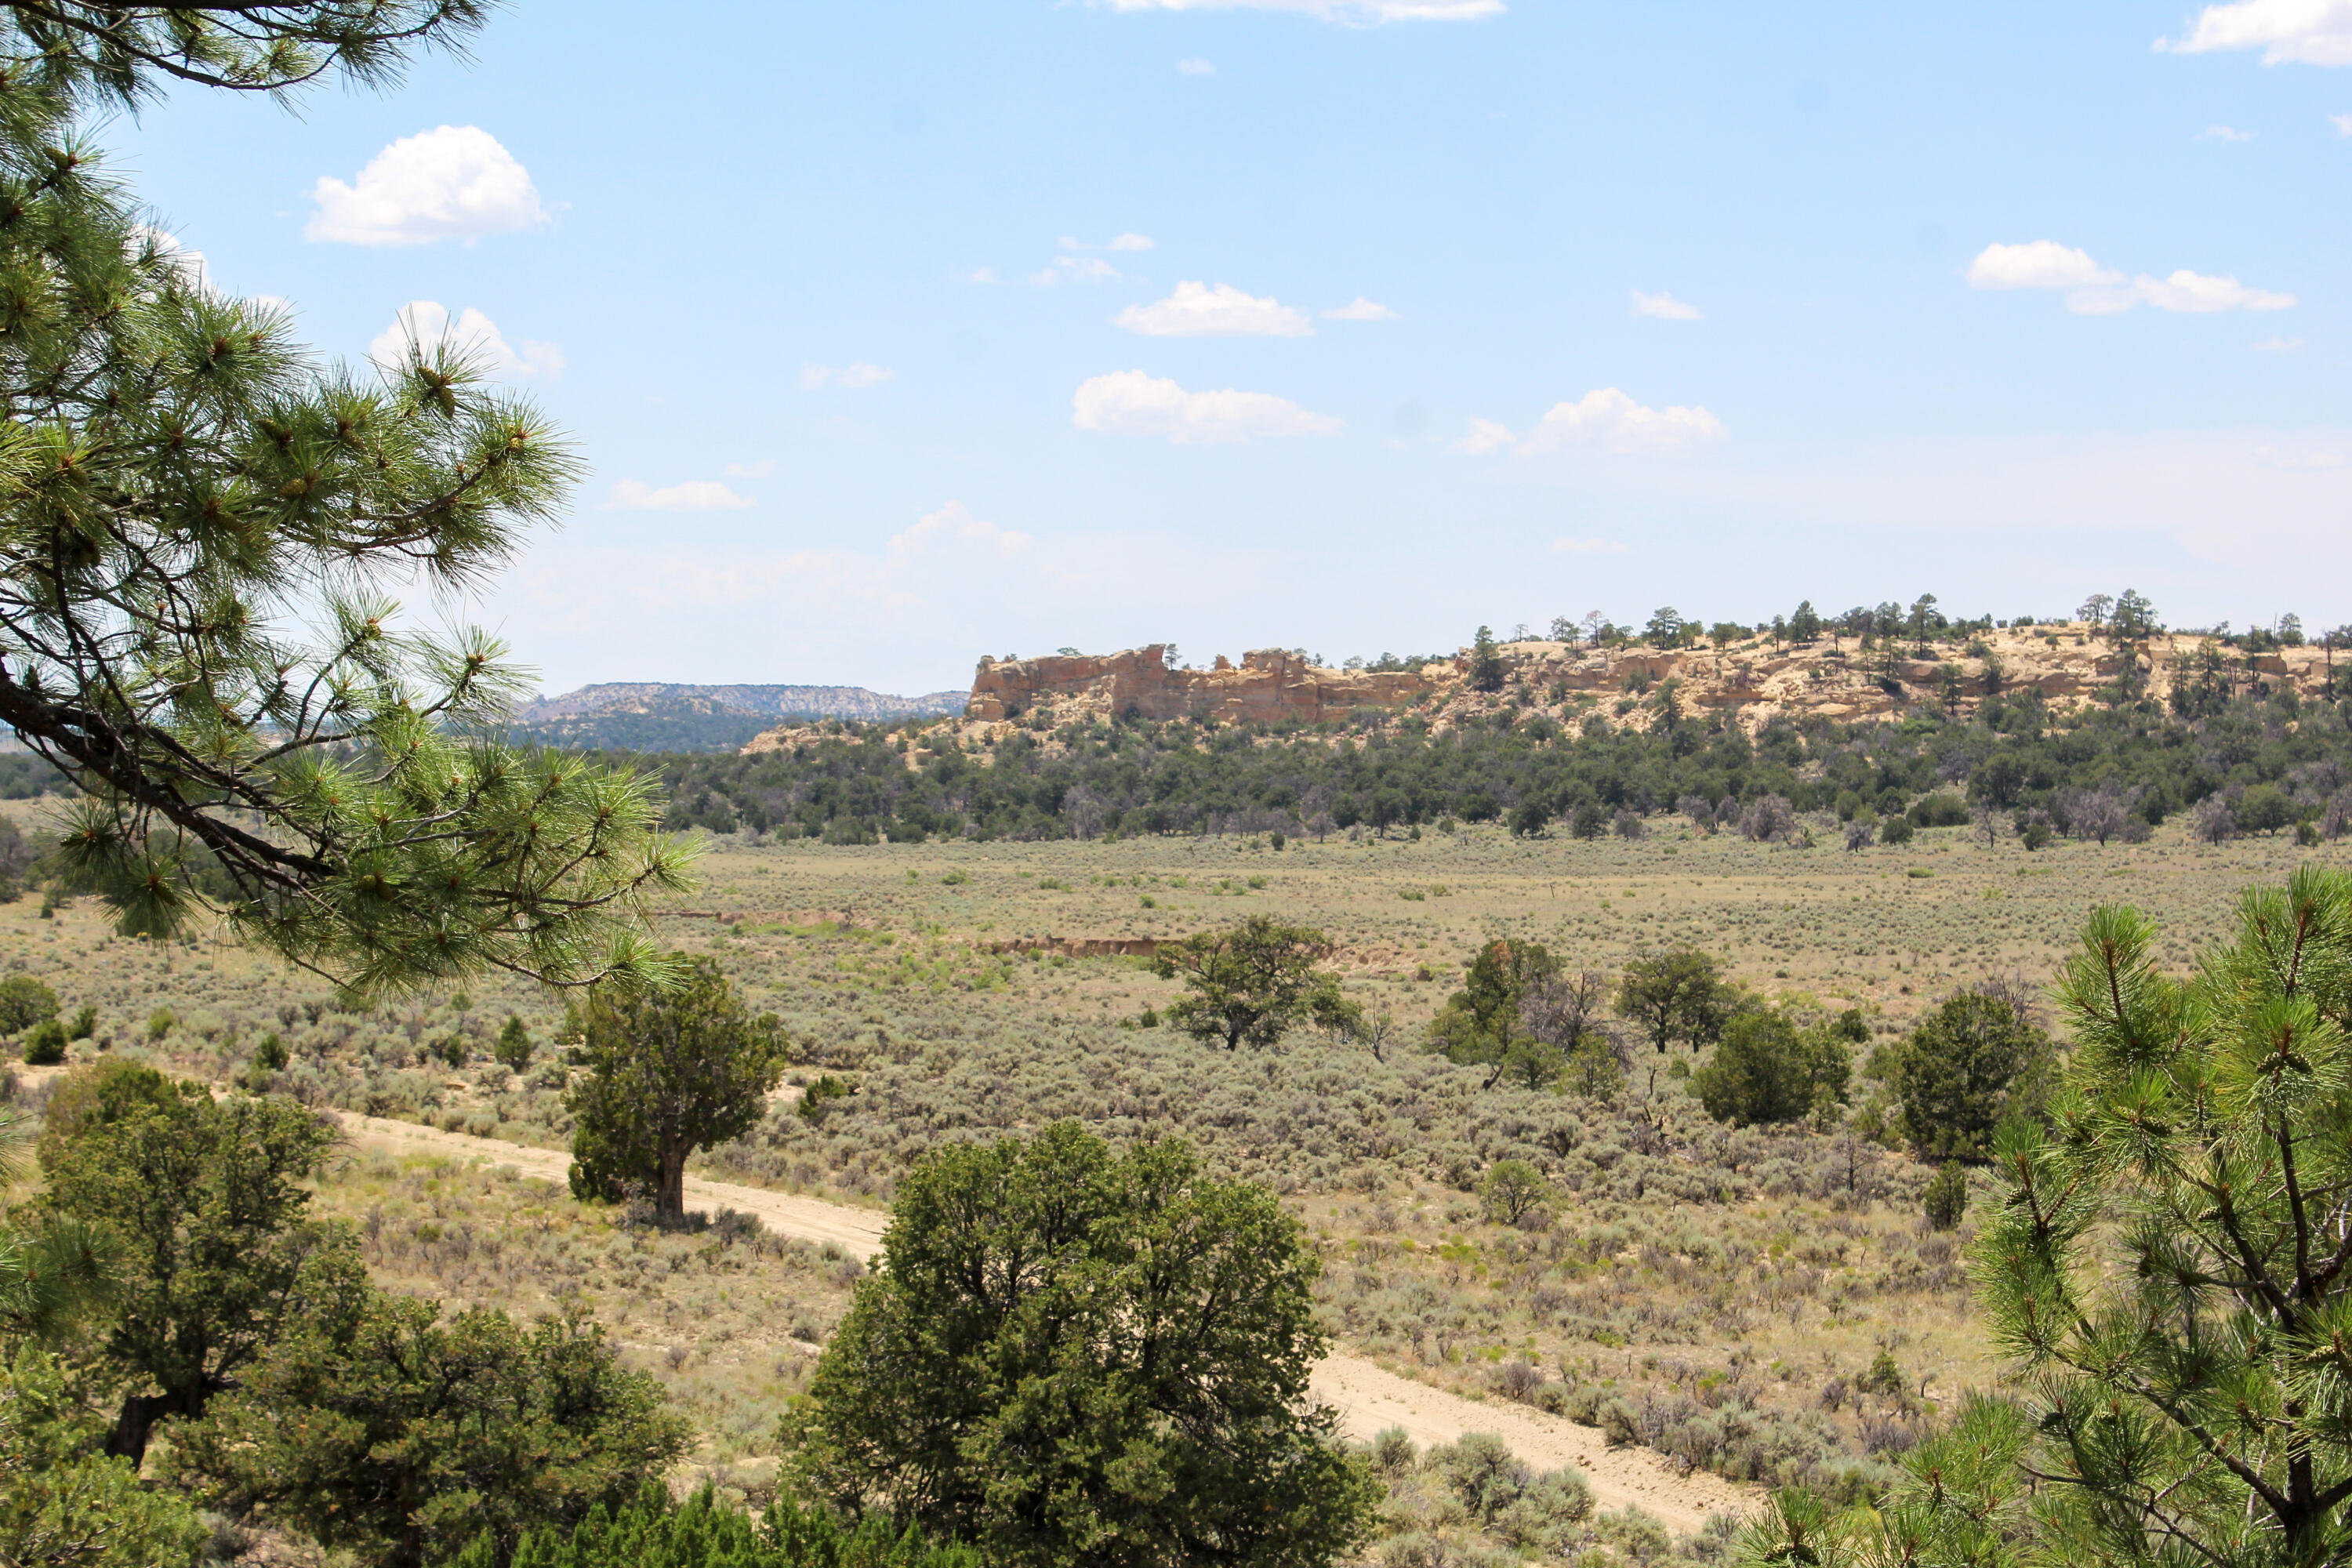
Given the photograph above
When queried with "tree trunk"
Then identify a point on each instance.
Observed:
(669, 1197)
(136, 1424)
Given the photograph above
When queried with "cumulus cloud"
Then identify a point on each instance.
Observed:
(2224, 133)
(1361, 12)
(1588, 546)
(1609, 419)
(1130, 242)
(759, 470)
(2097, 290)
(1664, 307)
(2314, 32)
(2041, 264)
(1483, 438)
(1360, 310)
(1195, 65)
(1197, 311)
(427, 324)
(855, 374)
(2343, 123)
(452, 182)
(953, 524)
(690, 495)
(1131, 403)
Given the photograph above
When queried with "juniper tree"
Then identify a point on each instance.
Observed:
(1253, 983)
(200, 525)
(662, 1074)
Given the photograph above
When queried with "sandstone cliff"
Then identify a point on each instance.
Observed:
(1748, 683)
(1270, 684)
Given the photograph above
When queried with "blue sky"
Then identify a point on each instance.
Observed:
(899, 333)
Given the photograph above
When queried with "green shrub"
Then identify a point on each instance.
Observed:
(84, 1025)
(703, 1532)
(513, 1049)
(25, 1001)
(1770, 1069)
(270, 1054)
(1947, 1197)
(44, 1045)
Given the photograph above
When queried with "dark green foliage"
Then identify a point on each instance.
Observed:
(1590, 821)
(203, 1205)
(377, 1427)
(660, 1075)
(703, 1532)
(1479, 1021)
(1771, 1068)
(63, 1504)
(84, 1025)
(1677, 997)
(1485, 664)
(513, 1049)
(1512, 1191)
(1975, 1059)
(1895, 830)
(45, 1043)
(1946, 1198)
(25, 1001)
(270, 1054)
(1071, 1356)
(1252, 984)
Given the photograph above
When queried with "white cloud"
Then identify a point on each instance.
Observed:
(1197, 311)
(1196, 66)
(1075, 270)
(691, 495)
(1362, 310)
(2343, 123)
(1609, 419)
(1131, 242)
(428, 322)
(759, 470)
(855, 374)
(2314, 32)
(982, 275)
(1588, 546)
(2097, 290)
(2224, 133)
(1131, 403)
(2194, 292)
(1664, 307)
(2278, 345)
(453, 183)
(954, 522)
(1483, 438)
(1356, 11)
(2043, 263)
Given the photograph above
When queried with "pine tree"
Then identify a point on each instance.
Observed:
(177, 473)
(1486, 662)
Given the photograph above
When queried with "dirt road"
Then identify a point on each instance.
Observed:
(1369, 1399)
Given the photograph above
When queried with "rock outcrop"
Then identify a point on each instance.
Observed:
(1751, 682)
(1269, 685)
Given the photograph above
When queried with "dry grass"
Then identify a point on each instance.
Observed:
(1720, 1295)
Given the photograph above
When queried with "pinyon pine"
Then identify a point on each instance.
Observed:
(199, 526)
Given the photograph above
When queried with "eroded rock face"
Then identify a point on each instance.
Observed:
(1269, 685)
(1750, 683)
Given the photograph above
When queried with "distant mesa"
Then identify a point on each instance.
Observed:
(664, 716)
